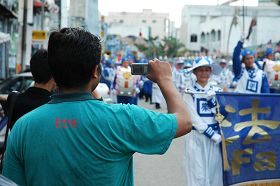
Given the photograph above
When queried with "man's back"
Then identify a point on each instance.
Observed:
(75, 140)
(28, 101)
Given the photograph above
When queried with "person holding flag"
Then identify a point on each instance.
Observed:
(202, 150)
(248, 78)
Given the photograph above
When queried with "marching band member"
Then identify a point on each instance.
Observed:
(272, 70)
(226, 75)
(187, 77)
(248, 77)
(202, 152)
(179, 75)
(108, 73)
(126, 84)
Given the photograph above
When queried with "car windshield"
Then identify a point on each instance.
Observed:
(15, 84)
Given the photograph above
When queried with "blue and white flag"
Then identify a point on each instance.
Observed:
(251, 128)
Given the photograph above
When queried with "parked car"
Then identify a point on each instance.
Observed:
(18, 82)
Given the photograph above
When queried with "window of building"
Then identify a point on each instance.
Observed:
(213, 35)
(202, 19)
(121, 21)
(202, 37)
(219, 35)
(144, 21)
(193, 38)
(154, 21)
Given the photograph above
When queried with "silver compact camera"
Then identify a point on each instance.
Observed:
(140, 69)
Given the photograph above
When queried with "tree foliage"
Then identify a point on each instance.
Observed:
(169, 46)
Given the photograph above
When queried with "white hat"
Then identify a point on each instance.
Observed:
(201, 61)
(223, 61)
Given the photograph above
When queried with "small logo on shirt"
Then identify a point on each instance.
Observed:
(203, 109)
(65, 123)
(252, 86)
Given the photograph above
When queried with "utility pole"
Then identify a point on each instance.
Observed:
(42, 15)
(25, 19)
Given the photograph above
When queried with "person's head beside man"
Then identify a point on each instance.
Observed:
(40, 70)
(75, 139)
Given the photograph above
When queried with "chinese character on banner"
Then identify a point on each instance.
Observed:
(251, 128)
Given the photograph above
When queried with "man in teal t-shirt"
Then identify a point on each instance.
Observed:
(78, 140)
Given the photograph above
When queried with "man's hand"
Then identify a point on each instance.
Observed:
(159, 71)
(243, 37)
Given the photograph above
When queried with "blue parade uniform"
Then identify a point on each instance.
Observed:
(107, 74)
(248, 80)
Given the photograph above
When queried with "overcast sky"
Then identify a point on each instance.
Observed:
(173, 7)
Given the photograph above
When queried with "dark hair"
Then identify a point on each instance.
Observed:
(73, 54)
(39, 67)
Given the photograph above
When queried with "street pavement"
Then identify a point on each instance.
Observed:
(163, 170)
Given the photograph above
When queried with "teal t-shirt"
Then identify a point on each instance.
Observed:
(76, 140)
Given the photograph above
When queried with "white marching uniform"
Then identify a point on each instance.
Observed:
(203, 159)
(272, 70)
(226, 77)
(157, 96)
(250, 81)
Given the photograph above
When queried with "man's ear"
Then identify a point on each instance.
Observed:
(96, 72)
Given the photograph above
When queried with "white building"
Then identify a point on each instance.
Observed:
(84, 13)
(147, 22)
(218, 28)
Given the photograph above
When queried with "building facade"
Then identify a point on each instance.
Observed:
(84, 13)
(146, 23)
(217, 29)
(8, 30)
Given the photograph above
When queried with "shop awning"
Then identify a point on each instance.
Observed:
(6, 12)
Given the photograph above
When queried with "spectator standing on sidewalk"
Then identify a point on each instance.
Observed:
(38, 94)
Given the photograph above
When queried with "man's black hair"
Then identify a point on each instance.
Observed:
(73, 54)
(39, 67)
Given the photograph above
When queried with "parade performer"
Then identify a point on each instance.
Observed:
(226, 76)
(202, 153)
(187, 78)
(272, 69)
(178, 75)
(108, 73)
(156, 96)
(126, 84)
(248, 78)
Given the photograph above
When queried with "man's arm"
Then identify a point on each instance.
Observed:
(236, 59)
(161, 74)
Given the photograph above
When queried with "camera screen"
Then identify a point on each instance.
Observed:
(138, 69)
